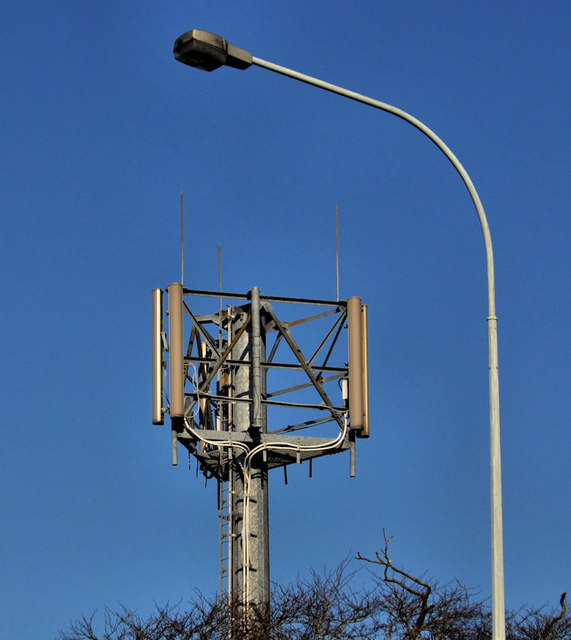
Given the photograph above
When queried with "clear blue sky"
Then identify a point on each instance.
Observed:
(101, 130)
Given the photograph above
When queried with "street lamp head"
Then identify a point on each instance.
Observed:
(208, 51)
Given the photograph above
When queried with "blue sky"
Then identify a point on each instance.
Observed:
(102, 129)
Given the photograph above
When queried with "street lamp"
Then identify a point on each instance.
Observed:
(208, 51)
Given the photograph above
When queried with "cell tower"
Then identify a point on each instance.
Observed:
(242, 383)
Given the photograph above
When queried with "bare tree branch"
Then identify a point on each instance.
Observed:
(333, 605)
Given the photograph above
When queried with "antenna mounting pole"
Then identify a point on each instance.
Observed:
(181, 240)
(337, 248)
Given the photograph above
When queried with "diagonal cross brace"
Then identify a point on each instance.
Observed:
(207, 337)
(284, 330)
(220, 362)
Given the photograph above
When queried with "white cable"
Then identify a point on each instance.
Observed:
(275, 446)
(247, 473)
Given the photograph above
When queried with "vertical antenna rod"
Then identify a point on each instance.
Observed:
(219, 268)
(337, 248)
(181, 240)
(220, 290)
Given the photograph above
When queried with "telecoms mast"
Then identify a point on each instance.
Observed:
(240, 386)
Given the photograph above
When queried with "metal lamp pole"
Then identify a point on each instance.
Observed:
(209, 51)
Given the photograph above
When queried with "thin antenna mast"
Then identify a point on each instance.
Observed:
(220, 290)
(181, 240)
(337, 248)
(219, 268)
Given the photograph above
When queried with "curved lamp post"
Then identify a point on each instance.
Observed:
(208, 51)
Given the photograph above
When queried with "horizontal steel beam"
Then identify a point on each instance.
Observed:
(268, 365)
(245, 296)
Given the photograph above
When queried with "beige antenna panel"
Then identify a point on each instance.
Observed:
(358, 367)
(365, 362)
(176, 354)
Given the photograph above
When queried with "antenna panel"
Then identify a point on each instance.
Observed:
(176, 354)
(157, 296)
(358, 385)
(364, 433)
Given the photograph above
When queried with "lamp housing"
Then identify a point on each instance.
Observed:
(208, 51)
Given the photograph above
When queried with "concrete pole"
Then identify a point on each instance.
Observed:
(249, 545)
